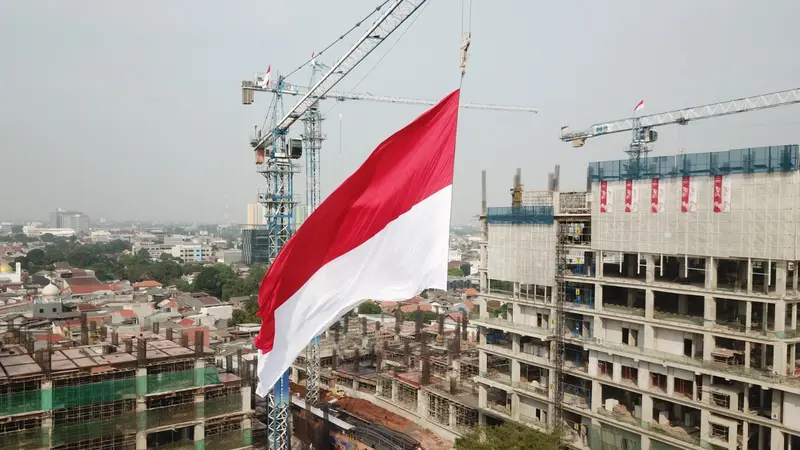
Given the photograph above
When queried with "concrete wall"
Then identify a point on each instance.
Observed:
(762, 221)
(522, 253)
(791, 410)
(670, 341)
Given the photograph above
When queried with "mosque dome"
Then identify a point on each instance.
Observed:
(51, 290)
(5, 268)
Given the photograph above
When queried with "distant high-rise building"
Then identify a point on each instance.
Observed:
(75, 220)
(256, 215)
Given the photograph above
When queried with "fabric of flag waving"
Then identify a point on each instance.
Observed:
(381, 235)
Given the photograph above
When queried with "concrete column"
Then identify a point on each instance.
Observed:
(765, 316)
(749, 276)
(516, 313)
(483, 395)
(592, 369)
(793, 317)
(711, 272)
(482, 362)
(515, 290)
(762, 430)
(681, 268)
(780, 316)
(748, 316)
(683, 304)
(483, 312)
(705, 427)
(599, 263)
(792, 359)
(745, 432)
(779, 361)
(597, 396)
(776, 439)
(780, 277)
(451, 419)
(647, 408)
(199, 436)
(598, 297)
(422, 403)
(482, 335)
(515, 347)
(649, 337)
(199, 372)
(616, 374)
(141, 440)
(794, 276)
(709, 343)
(650, 274)
(709, 311)
(747, 354)
(247, 431)
(649, 303)
(515, 371)
(515, 406)
(643, 381)
(395, 392)
(646, 443)
(670, 384)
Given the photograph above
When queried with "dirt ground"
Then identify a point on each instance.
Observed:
(370, 411)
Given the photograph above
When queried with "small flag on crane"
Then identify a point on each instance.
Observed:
(266, 76)
(639, 106)
(564, 128)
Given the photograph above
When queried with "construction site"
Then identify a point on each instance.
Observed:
(112, 391)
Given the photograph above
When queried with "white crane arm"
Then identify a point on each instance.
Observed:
(397, 13)
(343, 96)
(683, 116)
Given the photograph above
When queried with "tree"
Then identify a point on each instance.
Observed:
(509, 436)
(369, 307)
(455, 272)
(36, 256)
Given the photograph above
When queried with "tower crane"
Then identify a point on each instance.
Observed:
(275, 155)
(642, 136)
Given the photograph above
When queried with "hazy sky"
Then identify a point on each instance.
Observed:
(132, 110)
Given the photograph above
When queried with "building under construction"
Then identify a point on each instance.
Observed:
(421, 371)
(112, 391)
(656, 310)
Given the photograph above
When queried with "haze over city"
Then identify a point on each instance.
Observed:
(132, 110)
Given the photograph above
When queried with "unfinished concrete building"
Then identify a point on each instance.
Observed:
(680, 304)
(420, 371)
(111, 391)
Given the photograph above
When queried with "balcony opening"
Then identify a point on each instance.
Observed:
(683, 270)
(577, 392)
(605, 369)
(498, 400)
(658, 382)
(684, 388)
(576, 358)
(732, 275)
(500, 340)
(624, 300)
(728, 351)
(624, 265)
(732, 315)
(764, 275)
(577, 327)
(630, 375)
(719, 432)
(534, 293)
(501, 287)
(534, 379)
(581, 263)
(535, 347)
(675, 420)
(499, 369)
(680, 308)
(621, 404)
(579, 295)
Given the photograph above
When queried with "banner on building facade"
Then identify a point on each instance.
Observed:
(722, 194)
(656, 196)
(688, 195)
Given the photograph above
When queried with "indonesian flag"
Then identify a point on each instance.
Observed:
(382, 235)
(266, 77)
(639, 106)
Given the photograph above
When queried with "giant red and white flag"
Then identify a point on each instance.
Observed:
(382, 234)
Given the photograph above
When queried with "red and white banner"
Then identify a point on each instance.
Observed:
(722, 194)
(631, 197)
(606, 198)
(688, 195)
(656, 196)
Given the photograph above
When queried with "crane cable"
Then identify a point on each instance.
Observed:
(340, 38)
